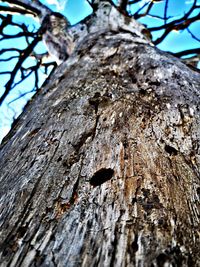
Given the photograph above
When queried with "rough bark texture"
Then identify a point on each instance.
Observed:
(102, 168)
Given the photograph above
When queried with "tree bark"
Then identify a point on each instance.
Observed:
(102, 167)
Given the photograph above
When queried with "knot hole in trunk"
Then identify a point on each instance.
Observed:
(101, 176)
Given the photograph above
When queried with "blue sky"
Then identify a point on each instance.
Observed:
(75, 10)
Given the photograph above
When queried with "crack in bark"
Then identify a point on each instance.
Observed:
(54, 259)
(62, 208)
(134, 200)
(95, 127)
(114, 245)
(19, 223)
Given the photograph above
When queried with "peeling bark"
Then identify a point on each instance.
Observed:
(102, 168)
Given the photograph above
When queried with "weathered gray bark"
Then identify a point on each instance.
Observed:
(102, 168)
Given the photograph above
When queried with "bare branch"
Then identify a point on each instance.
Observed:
(22, 58)
(193, 36)
(178, 21)
(165, 11)
(13, 10)
(173, 26)
(24, 5)
(187, 52)
(35, 7)
(123, 5)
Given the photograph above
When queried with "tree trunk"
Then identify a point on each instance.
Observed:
(102, 168)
